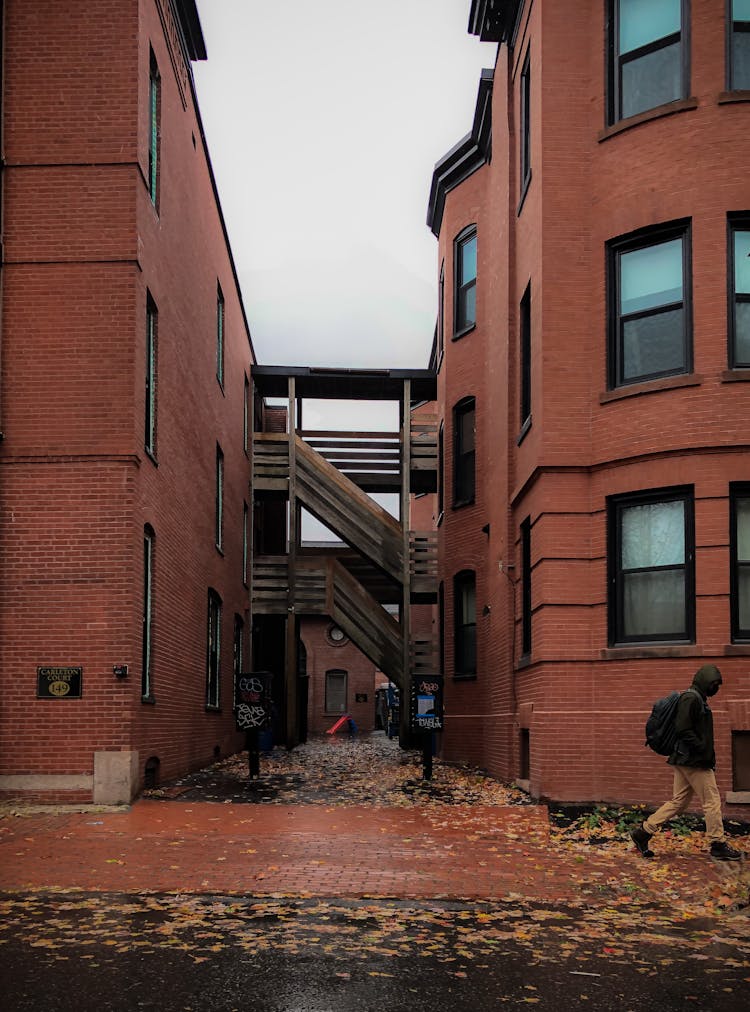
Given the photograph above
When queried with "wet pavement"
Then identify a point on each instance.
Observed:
(340, 879)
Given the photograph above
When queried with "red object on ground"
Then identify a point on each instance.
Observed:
(337, 725)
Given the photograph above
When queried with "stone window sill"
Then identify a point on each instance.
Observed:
(651, 387)
(737, 797)
(669, 109)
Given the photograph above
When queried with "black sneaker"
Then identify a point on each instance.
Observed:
(721, 851)
(640, 838)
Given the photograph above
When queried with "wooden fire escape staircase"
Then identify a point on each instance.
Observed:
(378, 561)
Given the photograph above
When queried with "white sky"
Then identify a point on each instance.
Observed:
(324, 121)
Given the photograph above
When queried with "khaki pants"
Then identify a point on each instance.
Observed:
(689, 781)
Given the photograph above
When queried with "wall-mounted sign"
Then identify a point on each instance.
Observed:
(252, 700)
(360, 697)
(427, 703)
(59, 683)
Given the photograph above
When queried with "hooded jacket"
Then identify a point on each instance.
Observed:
(694, 722)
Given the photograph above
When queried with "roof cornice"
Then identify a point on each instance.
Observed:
(192, 33)
(494, 20)
(471, 153)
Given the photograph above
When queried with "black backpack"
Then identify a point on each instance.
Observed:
(661, 735)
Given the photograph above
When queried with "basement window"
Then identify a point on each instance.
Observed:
(741, 760)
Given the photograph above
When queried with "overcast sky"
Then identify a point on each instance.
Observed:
(324, 121)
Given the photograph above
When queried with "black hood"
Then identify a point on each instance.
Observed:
(705, 678)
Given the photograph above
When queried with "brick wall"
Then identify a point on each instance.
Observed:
(588, 702)
(84, 244)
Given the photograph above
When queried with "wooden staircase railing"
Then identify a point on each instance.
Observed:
(348, 511)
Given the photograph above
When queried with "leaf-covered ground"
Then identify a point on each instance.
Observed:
(368, 769)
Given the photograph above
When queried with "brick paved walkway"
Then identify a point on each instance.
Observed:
(344, 819)
(473, 852)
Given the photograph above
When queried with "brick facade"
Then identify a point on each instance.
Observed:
(580, 697)
(84, 245)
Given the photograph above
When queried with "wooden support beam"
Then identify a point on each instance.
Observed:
(290, 672)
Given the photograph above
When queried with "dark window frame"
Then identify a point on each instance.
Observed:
(441, 626)
(615, 62)
(734, 27)
(152, 351)
(441, 315)
(220, 335)
(737, 490)
(238, 646)
(464, 488)
(219, 511)
(441, 472)
(213, 651)
(736, 222)
(740, 760)
(245, 542)
(461, 324)
(464, 665)
(246, 415)
(345, 680)
(525, 124)
(640, 240)
(615, 573)
(524, 327)
(526, 614)
(154, 130)
(147, 646)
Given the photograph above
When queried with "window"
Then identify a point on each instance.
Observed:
(441, 315)
(148, 582)
(740, 561)
(214, 650)
(651, 568)
(650, 305)
(526, 587)
(336, 691)
(150, 420)
(220, 336)
(463, 452)
(648, 55)
(441, 472)
(246, 416)
(441, 625)
(525, 124)
(741, 760)
(525, 329)
(238, 649)
(154, 112)
(465, 624)
(245, 513)
(739, 45)
(524, 757)
(465, 276)
(739, 274)
(219, 524)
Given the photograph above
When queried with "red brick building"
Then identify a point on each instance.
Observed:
(125, 359)
(341, 679)
(594, 364)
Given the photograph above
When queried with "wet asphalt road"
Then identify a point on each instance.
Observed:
(119, 953)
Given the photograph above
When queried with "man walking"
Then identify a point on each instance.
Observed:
(694, 761)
